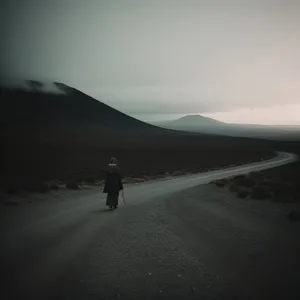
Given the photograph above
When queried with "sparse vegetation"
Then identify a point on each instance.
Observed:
(12, 203)
(90, 180)
(279, 184)
(178, 173)
(35, 187)
(139, 179)
(30, 187)
(73, 186)
(294, 216)
(243, 193)
(233, 187)
(54, 186)
(43, 188)
(221, 182)
(260, 193)
(11, 190)
(248, 182)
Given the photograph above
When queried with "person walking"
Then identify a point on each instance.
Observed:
(113, 184)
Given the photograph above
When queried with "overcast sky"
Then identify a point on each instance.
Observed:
(234, 60)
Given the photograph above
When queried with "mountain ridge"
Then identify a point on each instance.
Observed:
(205, 125)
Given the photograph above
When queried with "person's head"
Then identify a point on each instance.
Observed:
(113, 161)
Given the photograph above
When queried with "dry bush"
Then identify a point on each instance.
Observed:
(43, 188)
(221, 182)
(246, 181)
(139, 179)
(72, 186)
(178, 173)
(11, 189)
(233, 188)
(260, 193)
(294, 216)
(30, 187)
(90, 180)
(54, 186)
(243, 193)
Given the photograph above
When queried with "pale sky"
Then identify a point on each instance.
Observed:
(237, 61)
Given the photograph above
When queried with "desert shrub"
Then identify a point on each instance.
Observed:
(30, 187)
(249, 182)
(158, 176)
(124, 180)
(260, 193)
(243, 193)
(43, 188)
(159, 172)
(72, 186)
(11, 189)
(265, 181)
(139, 179)
(90, 180)
(284, 175)
(294, 216)
(238, 177)
(233, 188)
(221, 182)
(178, 173)
(289, 199)
(254, 174)
(245, 181)
(277, 190)
(283, 189)
(53, 186)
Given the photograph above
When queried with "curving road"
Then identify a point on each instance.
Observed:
(175, 238)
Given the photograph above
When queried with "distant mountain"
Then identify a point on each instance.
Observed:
(196, 120)
(201, 124)
(189, 121)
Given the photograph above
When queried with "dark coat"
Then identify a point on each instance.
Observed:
(113, 180)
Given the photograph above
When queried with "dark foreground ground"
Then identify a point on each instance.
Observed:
(200, 243)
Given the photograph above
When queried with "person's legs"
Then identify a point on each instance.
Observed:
(116, 200)
(109, 201)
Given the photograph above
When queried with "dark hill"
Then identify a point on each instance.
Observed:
(71, 109)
